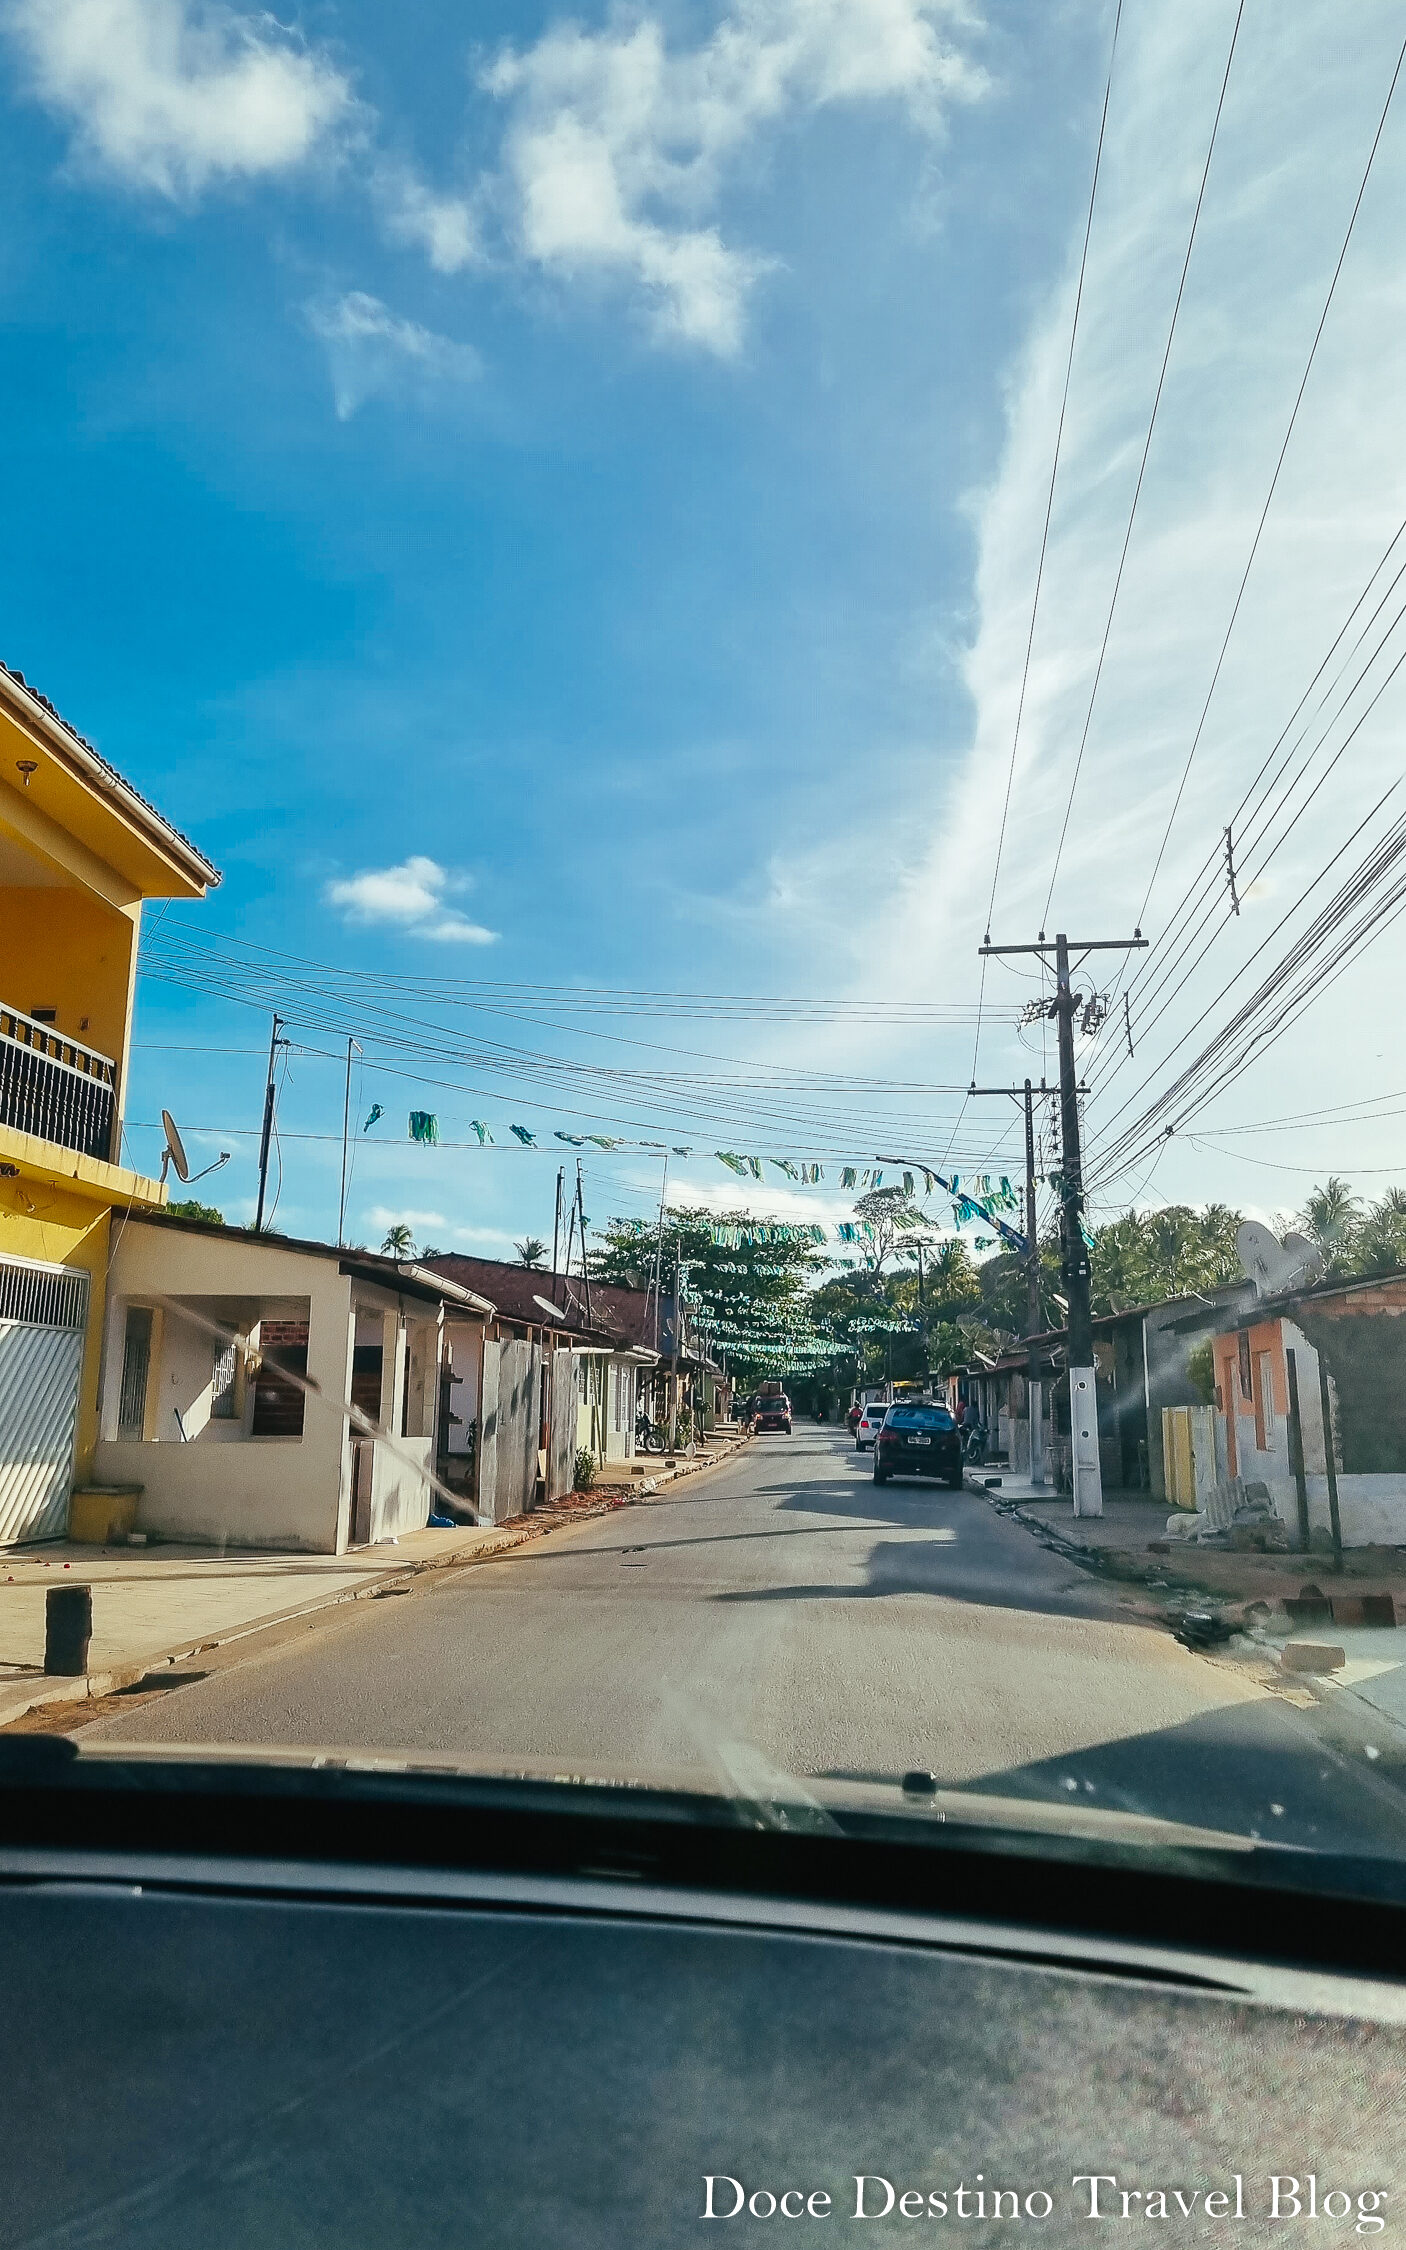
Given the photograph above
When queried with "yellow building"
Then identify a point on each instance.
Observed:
(79, 852)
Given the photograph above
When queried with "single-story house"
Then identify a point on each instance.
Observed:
(582, 1368)
(1142, 1363)
(1355, 1333)
(230, 1362)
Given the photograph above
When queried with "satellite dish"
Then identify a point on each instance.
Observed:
(174, 1152)
(1273, 1265)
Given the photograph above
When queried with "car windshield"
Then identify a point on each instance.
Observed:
(459, 463)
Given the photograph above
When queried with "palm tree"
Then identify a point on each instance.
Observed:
(399, 1242)
(1331, 1217)
(1379, 1245)
(531, 1253)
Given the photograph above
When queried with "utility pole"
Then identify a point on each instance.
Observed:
(346, 1129)
(1083, 1394)
(274, 1044)
(556, 1227)
(1034, 1318)
(674, 1355)
(585, 1263)
(658, 1252)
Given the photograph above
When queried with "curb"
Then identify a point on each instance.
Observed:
(1087, 1558)
(88, 1686)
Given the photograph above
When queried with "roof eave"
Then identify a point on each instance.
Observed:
(68, 748)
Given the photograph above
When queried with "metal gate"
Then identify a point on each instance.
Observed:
(43, 1314)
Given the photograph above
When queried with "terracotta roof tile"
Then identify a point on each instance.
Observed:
(121, 779)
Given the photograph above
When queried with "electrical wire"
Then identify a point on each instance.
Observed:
(1054, 473)
(1210, 874)
(1101, 1079)
(1142, 466)
(1292, 985)
(1274, 481)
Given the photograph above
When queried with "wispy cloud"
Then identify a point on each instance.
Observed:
(1301, 112)
(445, 226)
(617, 146)
(371, 349)
(412, 897)
(172, 95)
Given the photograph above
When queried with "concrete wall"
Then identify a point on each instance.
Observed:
(508, 1425)
(218, 1483)
(400, 1494)
(561, 1425)
(1371, 1500)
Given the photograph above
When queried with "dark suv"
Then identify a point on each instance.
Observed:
(918, 1441)
(774, 1414)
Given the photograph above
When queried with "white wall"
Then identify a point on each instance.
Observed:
(464, 1342)
(225, 1487)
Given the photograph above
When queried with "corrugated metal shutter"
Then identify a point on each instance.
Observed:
(43, 1313)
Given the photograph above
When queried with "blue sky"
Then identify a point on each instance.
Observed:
(577, 479)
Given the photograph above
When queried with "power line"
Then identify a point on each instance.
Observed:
(1054, 472)
(1197, 887)
(1274, 480)
(1142, 466)
(1171, 965)
(1291, 986)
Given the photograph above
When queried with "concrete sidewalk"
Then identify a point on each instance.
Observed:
(157, 1605)
(1128, 1542)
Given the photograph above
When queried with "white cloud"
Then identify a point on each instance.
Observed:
(443, 226)
(412, 898)
(616, 147)
(173, 94)
(1299, 119)
(371, 349)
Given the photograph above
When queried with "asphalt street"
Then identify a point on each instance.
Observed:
(787, 1610)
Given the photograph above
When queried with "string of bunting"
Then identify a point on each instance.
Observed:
(979, 1200)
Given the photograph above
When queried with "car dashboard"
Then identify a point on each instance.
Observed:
(311, 2006)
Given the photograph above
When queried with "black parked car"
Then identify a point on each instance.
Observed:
(919, 1441)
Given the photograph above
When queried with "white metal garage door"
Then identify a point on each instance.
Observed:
(43, 1313)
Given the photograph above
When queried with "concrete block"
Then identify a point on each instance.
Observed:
(1363, 1609)
(101, 1514)
(1311, 1656)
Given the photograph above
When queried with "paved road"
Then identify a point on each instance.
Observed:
(786, 1605)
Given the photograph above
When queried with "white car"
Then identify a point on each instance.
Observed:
(870, 1422)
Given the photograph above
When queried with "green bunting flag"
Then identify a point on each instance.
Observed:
(424, 1127)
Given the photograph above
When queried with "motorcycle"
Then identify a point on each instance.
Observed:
(649, 1438)
(974, 1444)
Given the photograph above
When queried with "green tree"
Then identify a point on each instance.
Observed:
(752, 1298)
(1331, 1218)
(889, 1219)
(1379, 1245)
(399, 1242)
(191, 1208)
(532, 1252)
(1149, 1255)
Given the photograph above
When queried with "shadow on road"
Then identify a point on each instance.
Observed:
(1251, 1769)
(946, 1568)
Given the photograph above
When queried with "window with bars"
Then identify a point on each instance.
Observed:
(224, 1383)
(43, 1296)
(136, 1372)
